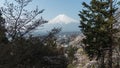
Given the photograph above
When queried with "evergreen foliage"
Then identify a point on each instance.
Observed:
(97, 24)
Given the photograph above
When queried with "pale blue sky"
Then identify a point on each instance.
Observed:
(56, 7)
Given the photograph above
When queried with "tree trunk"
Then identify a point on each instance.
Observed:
(110, 57)
(111, 38)
(102, 65)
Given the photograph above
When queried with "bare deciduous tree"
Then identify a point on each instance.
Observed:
(20, 21)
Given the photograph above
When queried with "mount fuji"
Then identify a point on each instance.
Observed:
(63, 21)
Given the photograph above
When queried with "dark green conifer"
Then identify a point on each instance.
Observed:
(97, 20)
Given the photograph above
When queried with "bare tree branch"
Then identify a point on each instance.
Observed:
(20, 21)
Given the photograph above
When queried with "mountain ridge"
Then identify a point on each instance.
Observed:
(66, 23)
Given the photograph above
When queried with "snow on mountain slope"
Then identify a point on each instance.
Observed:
(63, 21)
(62, 18)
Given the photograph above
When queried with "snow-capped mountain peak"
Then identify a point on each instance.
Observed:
(62, 18)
